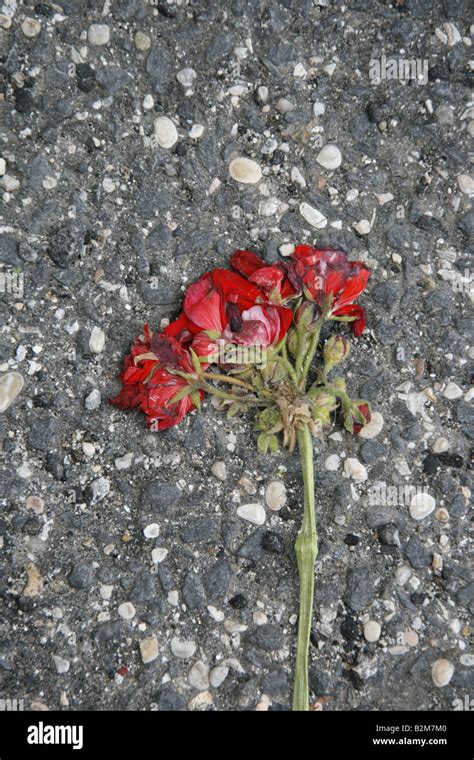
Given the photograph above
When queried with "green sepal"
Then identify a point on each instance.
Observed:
(292, 342)
(237, 407)
(195, 361)
(186, 391)
(196, 399)
(267, 442)
(268, 418)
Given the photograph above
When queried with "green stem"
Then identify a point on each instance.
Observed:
(300, 354)
(228, 396)
(286, 364)
(306, 549)
(309, 357)
(227, 379)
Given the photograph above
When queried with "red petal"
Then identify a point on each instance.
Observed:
(353, 310)
(267, 277)
(354, 284)
(182, 328)
(202, 304)
(236, 288)
(246, 262)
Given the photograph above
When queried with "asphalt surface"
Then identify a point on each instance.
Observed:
(103, 228)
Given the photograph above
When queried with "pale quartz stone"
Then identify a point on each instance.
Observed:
(245, 170)
(373, 428)
(97, 340)
(421, 505)
(329, 157)
(98, 34)
(275, 495)
(372, 631)
(165, 132)
(253, 513)
(149, 649)
(11, 384)
(314, 217)
(441, 672)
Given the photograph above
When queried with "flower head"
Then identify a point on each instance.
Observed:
(272, 279)
(149, 382)
(328, 278)
(223, 308)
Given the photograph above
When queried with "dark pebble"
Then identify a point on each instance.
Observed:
(273, 543)
(238, 602)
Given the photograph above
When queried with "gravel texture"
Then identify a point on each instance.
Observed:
(132, 580)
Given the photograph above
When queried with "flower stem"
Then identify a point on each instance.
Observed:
(306, 549)
(254, 400)
(288, 367)
(227, 379)
(309, 356)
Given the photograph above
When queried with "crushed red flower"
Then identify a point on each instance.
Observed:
(326, 273)
(147, 383)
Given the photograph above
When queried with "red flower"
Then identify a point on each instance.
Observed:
(324, 273)
(149, 385)
(273, 280)
(223, 308)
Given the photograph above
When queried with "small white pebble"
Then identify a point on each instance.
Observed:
(219, 470)
(166, 133)
(98, 34)
(126, 610)
(97, 340)
(149, 649)
(286, 249)
(355, 470)
(332, 462)
(142, 41)
(158, 554)
(452, 391)
(329, 157)
(275, 495)
(441, 672)
(31, 27)
(253, 513)
(196, 131)
(372, 631)
(152, 530)
(245, 170)
(421, 505)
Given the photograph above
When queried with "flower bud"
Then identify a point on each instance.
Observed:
(336, 349)
(306, 316)
(292, 341)
(361, 415)
(356, 415)
(322, 405)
